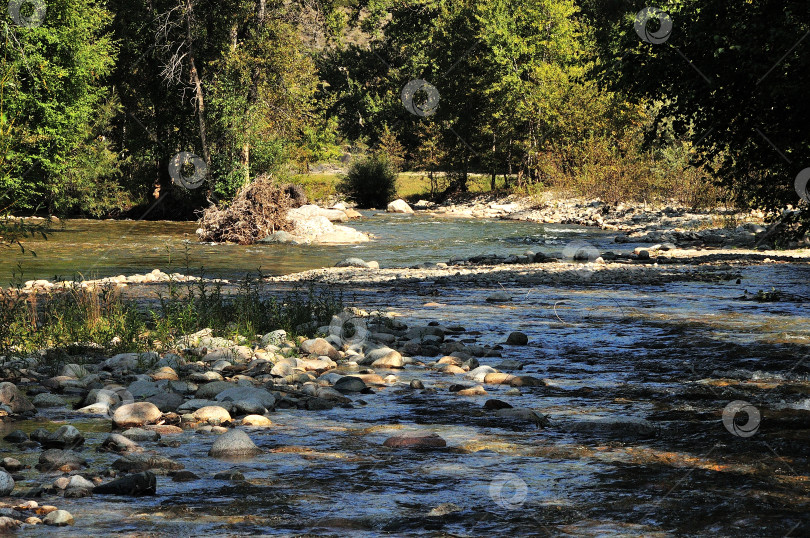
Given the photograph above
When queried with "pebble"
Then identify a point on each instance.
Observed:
(65, 437)
(63, 460)
(16, 437)
(137, 435)
(499, 297)
(212, 414)
(46, 399)
(11, 465)
(229, 475)
(349, 384)
(256, 421)
(135, 485)
(517, 339)
(184, 476)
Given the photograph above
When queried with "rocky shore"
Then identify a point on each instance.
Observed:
(636, 223)
(228, 392)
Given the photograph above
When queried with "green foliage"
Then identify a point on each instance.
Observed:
(53, 86)
(371, 182)
(741, 95)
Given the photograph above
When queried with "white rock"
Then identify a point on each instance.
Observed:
(399, 206)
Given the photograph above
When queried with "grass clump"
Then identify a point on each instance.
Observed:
(69, 319)
(240, 314)
(96, 319)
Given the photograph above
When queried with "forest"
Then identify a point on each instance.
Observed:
(701, 101)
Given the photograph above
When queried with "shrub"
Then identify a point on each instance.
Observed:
(298, 196)
(371, 182)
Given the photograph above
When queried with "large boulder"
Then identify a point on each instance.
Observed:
(415, 440)
(399, 206)
(320, 347)
(136, 414)
(6, 484)
(233, 444)
(65, 437)
(318, 229)
(11, 396)
(310, 211)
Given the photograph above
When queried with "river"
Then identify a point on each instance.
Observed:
(96, 249)
(616, 359)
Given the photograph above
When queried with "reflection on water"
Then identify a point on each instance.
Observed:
(95, 249)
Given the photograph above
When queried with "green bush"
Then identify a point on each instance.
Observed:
(371, 182)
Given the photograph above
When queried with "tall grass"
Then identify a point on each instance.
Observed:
(98, 319)
(246, 312)
(71, 319)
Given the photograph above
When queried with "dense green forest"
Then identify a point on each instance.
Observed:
(699, 100)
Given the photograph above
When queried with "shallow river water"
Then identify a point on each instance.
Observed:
(672, 354)
(96, 249)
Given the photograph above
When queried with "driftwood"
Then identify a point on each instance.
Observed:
(258, 210)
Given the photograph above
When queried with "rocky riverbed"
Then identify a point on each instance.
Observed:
(551, 397)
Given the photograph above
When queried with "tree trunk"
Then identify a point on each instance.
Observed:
(195, 79)
(244, 157)
(493, 176)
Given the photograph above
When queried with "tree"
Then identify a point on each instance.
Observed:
(732, 77)
(52, 95)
